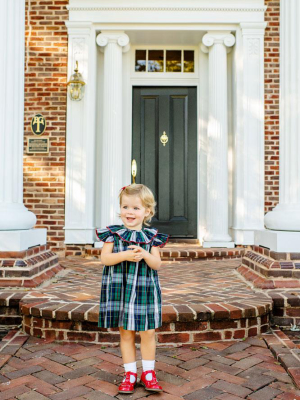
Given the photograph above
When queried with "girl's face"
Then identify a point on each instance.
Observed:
(133, 212)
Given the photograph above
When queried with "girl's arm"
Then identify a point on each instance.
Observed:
(153, 258)
(110, 258)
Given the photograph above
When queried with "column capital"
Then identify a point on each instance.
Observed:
(117, 37)
(223, 37)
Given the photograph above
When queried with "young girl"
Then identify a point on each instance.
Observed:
(130, 293)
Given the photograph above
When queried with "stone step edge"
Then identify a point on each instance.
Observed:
(76, 311)
(261, 282)
(283, 349)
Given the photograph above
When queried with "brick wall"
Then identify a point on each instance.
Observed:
(272, 105)
(45, 93)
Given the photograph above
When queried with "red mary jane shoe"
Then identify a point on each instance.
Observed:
(152, 385)
(127, 386)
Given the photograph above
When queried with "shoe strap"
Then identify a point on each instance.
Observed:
(151, 371)
(130, 373)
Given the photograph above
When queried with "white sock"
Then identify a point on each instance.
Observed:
(147, 365)
(130, 367)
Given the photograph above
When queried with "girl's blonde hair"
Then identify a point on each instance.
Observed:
(146, 196)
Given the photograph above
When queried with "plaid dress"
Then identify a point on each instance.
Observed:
(130, 291)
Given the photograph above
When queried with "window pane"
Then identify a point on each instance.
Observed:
(156, 61)
(188, 60)
(140, 60)
(173, 61)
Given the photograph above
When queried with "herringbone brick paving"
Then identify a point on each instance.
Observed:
(38, 369)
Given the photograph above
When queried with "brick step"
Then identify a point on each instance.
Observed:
(28, 268)
(265, 272)
(286, 307)
(178, 252)
(181, 324)
(202, 302)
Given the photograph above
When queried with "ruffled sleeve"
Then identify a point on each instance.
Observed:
(105, 235)
(160, 240)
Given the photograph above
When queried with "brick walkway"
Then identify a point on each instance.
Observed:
(38, 369)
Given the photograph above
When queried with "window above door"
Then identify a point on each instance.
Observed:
(172, 61)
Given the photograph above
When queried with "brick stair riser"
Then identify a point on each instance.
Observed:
(260, 281)
(176, 333)
(10, 317)
(17, 272)
(184, 255)
(32, 282)
(288, 272)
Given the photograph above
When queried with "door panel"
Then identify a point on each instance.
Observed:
(170, 171)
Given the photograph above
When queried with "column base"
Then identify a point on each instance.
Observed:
(243, 236)
(79, 235)
(279, 241)
(284, 217)
(228, 245)
(22, 240)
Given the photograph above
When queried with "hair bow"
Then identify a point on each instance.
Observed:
(123, 188)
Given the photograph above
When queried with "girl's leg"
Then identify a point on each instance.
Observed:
(127, 345)
(148, 345)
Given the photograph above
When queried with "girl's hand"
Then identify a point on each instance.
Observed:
(139, 252)
(130, 255)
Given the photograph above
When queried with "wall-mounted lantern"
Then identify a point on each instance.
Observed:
(76, 85)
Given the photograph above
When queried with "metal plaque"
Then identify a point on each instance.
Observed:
(35, 145)
(38, 124)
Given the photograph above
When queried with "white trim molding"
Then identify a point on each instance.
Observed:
(80, 151)
(248, 70)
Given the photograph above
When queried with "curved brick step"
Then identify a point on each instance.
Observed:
(201, 302)
(181, 324)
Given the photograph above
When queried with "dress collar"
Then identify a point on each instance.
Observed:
(144, 235)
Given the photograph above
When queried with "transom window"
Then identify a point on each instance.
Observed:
(164, 60)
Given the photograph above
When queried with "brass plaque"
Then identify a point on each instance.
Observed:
(38, 124)
(35, 145)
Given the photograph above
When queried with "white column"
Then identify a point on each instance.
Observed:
(283, 222)
(81, 137)
(217, 141)
(286, 215)
(248, 131)
(13, 214)
(15, 219)
(114, 44)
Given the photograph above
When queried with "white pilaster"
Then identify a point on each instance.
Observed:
(248, 197)
(13, 214)
(113, 43)
(286, 215)
(15, 220)
(218, 44)
(80, 151)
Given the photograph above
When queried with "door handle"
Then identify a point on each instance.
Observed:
(133, 169)
(164, 138)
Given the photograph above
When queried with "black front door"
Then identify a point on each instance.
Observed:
(169, 170)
